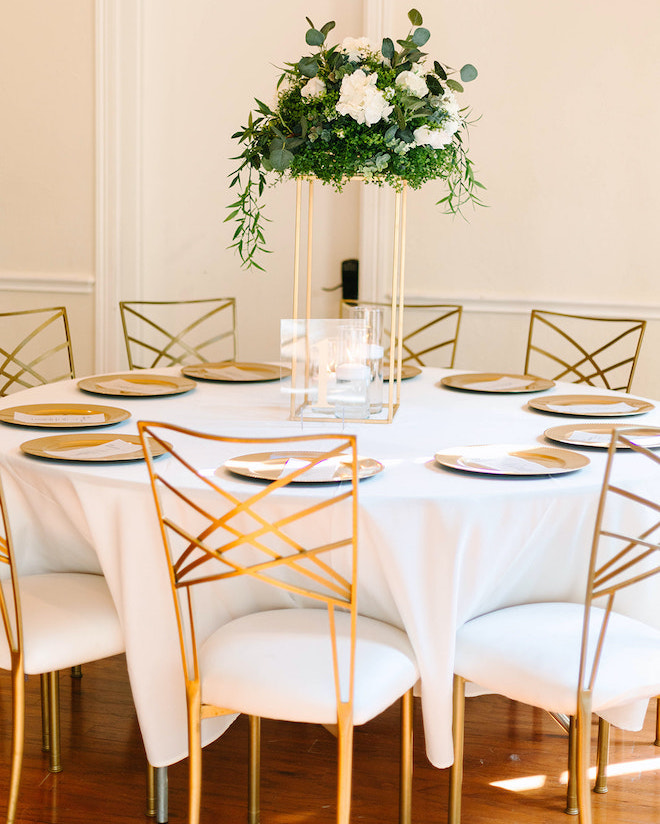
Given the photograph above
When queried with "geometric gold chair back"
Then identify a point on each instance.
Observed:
(600, 352)
(210, 535)
(430, 331)
(172, 333)
(35, 348)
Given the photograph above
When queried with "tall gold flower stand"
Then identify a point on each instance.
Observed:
(302, 297)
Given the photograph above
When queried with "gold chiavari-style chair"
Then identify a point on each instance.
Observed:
(35, 348)
(50, 622)
(171, 333)
(430, 331)
(597, 351)
(576, 659)
(311, 659)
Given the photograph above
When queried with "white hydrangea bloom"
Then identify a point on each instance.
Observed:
(356, 48)
(314, 87)
(361, 99)
(435, 138)
(450, 104)
(413, 83)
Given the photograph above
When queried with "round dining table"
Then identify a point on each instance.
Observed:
(438, 545)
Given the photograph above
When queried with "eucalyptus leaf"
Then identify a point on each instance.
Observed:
(281, 159)
(435, 87)
(406, 135)
(308, 66)
(329, 26)
(454, 85)
(387, 49)
(390, 134)
(420, 36)
(415, 17)
(314, 37)
(439, 70)
(468, 73)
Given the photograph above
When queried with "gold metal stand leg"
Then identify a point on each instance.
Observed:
(254, 770)
(45, 713)
(571, 790)
(603, 756)
(458, 735)
(18, 738)
(406, 766)
(54, 701)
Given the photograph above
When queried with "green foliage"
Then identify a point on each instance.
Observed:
(414, 134)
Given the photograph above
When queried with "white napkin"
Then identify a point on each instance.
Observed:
(499, 385)
(594, 408)
(131, 387)
(588, 437)
(508, 464)
(231, 373)
(22, 417)
(103, 450)
(323, 471)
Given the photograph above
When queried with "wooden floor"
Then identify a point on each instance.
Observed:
(104, 776)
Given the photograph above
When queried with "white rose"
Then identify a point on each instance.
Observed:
(314, 87)
(361, 99)
(435, 138)
(413, 83)
(356, 48)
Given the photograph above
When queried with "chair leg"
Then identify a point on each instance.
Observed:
(657, 722)
(193, 700)
(254, 770)
(603, 756)
(345, 763)
(406, 766)
(157, 791)
(45, 713)
(53, 679)
(458, 735)
(571, 788)
(18, 738)
(76, 671)
(583, 754)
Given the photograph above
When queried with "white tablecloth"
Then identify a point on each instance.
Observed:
(437, 547)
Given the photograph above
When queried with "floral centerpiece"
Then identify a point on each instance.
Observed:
(355, 110)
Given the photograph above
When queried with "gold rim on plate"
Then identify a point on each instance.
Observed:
(63, 415)
(236, 372)
(599, 435)
(500, 382)
(268, 466)
(407, 371)
(591, 406)
(520, 460)
(50, 446)
(153, 385)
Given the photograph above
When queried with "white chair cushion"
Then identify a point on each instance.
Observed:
(278, 664)
(68, 619)
(530, 653)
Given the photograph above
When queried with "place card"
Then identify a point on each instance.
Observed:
(109, 449)
(503, 384)
(131, 387)
(620, 408)
(67, 420)
(506, 464)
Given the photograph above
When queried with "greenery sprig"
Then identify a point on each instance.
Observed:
(354, 110)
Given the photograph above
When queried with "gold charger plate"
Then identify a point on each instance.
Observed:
(65, 445)
(63, 415)
(598, 435)
(511, 459)
(268, 466)
(135, 384)
(407, 371)
(236, 371)
(591, 406)
(502, 382)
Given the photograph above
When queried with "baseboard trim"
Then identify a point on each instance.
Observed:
(80, 283)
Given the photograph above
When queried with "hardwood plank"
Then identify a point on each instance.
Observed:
(104, 766)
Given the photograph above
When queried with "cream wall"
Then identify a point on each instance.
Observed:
(47, 162)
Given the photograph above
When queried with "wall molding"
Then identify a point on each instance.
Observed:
(71, 283)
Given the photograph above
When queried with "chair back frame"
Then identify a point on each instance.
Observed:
(29, 372)
(176, 350)
(587, 367)
(448, 314)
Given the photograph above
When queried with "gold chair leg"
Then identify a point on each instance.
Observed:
(76, 671)
(55, 765)
(406, 766)
(571, 789)
(345, 764)
(45, 713)
(18, 738)
(603, 756)
(657, 722)
(583, 753)
(194, 751)
(254, 770)
(458, 736)
(150, 811)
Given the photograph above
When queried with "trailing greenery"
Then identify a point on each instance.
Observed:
(355, 110)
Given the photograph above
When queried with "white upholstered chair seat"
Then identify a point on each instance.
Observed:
(290, 650)
(531, 653)
(68, 619)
